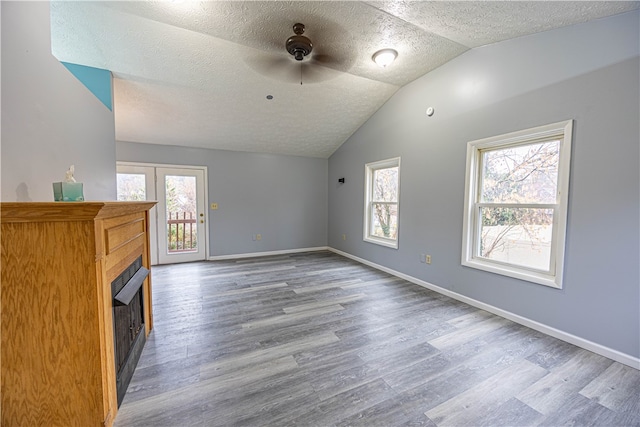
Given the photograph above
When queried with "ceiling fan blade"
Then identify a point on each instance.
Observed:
(313, 73)
(269, 65)
(310, 74)
(276, 66)
(338, 63)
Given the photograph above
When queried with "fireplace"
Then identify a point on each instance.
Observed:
(128, 323)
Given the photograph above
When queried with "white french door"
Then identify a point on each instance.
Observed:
(138, 183)
(181, 206)
(178, 222)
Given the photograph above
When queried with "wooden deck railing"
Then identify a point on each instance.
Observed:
(181, 227)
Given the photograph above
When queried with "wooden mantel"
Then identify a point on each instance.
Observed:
(58, 262)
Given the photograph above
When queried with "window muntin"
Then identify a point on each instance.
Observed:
(382, 202)
(515, 203)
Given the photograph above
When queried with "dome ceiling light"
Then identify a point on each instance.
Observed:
(385, 57)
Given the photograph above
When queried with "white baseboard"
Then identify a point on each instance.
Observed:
(618, 356)
(269, 253)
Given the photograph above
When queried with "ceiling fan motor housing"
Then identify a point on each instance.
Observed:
(299, 46)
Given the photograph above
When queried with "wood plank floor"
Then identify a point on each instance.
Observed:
(316, 339)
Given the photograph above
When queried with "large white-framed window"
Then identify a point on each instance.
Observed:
(515, 210)
(382, 202)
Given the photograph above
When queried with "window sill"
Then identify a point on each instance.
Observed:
(517, 273)
(393, 244)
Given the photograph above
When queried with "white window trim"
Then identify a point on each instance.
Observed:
(369, 168)
(562, 130)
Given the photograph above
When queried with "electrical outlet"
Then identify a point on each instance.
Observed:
(344, 237)
(258, 236)
(428, 259)
(423, 258)
(214, 206)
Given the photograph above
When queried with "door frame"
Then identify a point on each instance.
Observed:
(206, 197)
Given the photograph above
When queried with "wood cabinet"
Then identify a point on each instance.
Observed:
(58, 262)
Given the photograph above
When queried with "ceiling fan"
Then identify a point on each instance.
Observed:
(306, 62)
(299, 46)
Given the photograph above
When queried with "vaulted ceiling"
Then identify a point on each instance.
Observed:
(199, 73)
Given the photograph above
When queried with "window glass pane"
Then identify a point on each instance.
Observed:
(385, 185)
(384, 220)
(517, 236)
(131, 187)
(521, 174)
(182, 224)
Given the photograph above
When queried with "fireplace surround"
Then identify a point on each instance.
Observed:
(58, 349)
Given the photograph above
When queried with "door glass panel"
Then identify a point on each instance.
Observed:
(131, 187)
(182, 223)
(137, 183)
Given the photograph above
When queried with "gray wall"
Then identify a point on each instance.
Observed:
(49, 119)
(589, 73)
(284, 198)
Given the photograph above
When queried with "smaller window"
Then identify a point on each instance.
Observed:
(382, 202)
(516, 203)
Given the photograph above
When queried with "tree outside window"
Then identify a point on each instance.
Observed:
(131, 187)
(182, 225)
(382, 202)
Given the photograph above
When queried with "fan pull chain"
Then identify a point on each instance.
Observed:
(301, 74)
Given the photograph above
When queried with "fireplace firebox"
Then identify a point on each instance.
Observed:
(128, 323)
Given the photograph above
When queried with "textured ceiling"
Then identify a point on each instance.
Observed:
(192, 73)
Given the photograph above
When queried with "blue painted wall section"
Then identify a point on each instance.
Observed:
(97, 80)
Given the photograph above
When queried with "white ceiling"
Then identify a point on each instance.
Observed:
(194, 73)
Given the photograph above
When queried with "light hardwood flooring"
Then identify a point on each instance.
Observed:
(316, 339)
